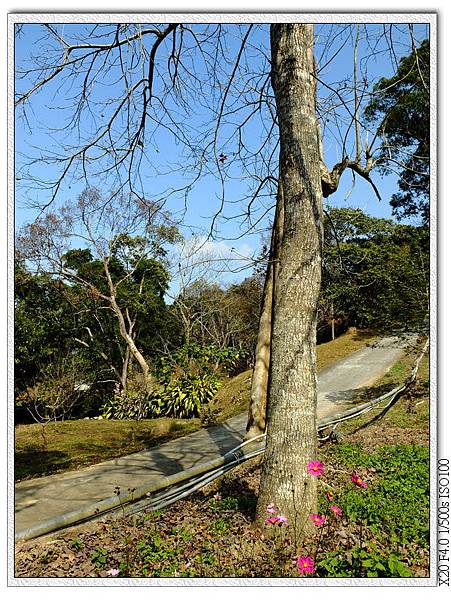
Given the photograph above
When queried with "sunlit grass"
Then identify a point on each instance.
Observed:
(70, 445)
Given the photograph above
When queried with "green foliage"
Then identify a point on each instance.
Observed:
(184, 397)
(375, 272)
(99, 557)
(140, 282)
(158, 559)
(198, 358)
(42, 324)
(220, 526)
(127, 405)
(227, 503)
(400, 106)
(189, 378)
(185, 535)
(206, 558)
(154, 549)
(55, 318)
(57, 391)
(396, 504)
(372, 561)
(388, 522)
(76, 544)
(88, 302)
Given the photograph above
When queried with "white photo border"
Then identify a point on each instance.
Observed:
(427, 17)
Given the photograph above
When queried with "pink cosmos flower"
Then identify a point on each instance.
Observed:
(315, 468)
(329, 496)
(282, 520)
(318, 520)
(336, 509)
(279, 520)
(358, 481)
(113, 572)
(272, 520)
(305, 564)
(271, 508)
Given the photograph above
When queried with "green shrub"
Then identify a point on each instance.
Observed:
(361, 562)
(184, 397)
(194, 359)
(185, 382)
(126, 405)
(189, 378)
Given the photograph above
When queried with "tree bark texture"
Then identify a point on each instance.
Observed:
(291, 412)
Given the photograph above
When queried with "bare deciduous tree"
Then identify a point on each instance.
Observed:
(98, 224)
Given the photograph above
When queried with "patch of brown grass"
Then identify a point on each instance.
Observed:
(234, 397)
(352, 340)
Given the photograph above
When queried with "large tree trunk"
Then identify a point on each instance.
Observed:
(291, 412)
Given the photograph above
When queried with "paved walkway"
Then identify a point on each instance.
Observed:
(47, 497)
(340, 382)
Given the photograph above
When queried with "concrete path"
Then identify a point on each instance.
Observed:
(340, 382)
(55, 495)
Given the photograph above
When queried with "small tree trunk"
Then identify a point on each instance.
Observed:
(129, 339)
(125, 333)
(259, 387)
(291, 415)
(125, 363)
(256, 423)
(332, 320)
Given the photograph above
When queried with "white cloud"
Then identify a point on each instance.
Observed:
(214, 261)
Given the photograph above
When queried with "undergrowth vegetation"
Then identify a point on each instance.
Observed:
(183, 382)
(389, 519)
(372, 518)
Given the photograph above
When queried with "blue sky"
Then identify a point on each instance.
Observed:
(45, 131)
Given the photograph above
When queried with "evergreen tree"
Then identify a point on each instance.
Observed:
(401, 107)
